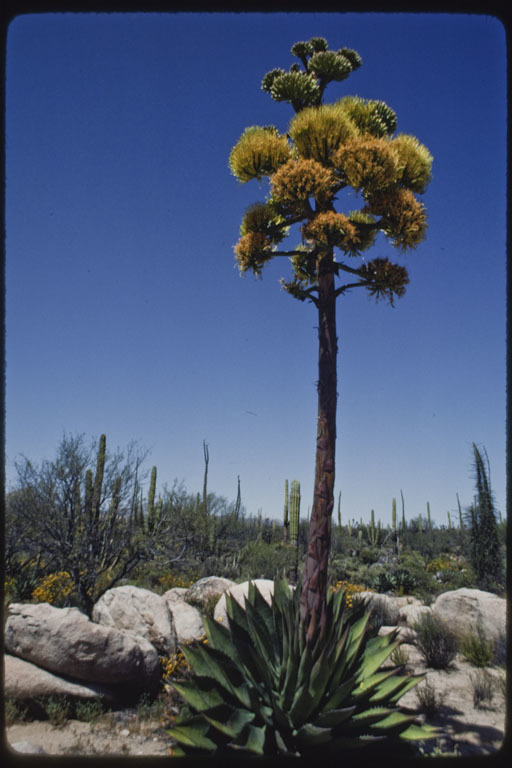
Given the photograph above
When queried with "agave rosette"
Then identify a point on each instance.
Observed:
(257, 686)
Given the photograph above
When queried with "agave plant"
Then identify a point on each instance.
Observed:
(259, 686)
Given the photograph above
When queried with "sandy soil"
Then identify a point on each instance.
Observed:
(120, 733)
(471, 730)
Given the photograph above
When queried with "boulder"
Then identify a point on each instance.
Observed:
(239, 592)
(411, 613)
(465, 608)
(187, 619)
(207, 589)
(25, 681)
(65, 641)
(28, 748)
(139, 613)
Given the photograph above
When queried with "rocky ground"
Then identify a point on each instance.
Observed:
(466, 729)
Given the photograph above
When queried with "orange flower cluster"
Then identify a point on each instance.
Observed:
(298, 180)
(332, 229)
(403, 216)
(367, 163)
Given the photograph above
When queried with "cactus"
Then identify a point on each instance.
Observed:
(404, 526)
(393, 515)
(449, 521)
(286, 522)
(461, 521)
(238, 502)
(372, 531)
(98, 479)
(205, 481)
(151, 501)
(294, 512)
(339, 511)
(420, 523)
(429, 521)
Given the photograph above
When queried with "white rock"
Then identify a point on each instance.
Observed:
(24, 681)
(465, 608)
(28, 748)
(239, 592)
(207, 589)
(65, 641)
(187, 619)
(140, 613)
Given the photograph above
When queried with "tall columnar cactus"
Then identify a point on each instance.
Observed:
(286, 522)
(339, 511)
(461, 521)
(429, 521)
(404, 525)
(449, 521)
(393, 515)
(98, 479)
(151, 516)
(294, 512)
(420, 523)
(372, 531)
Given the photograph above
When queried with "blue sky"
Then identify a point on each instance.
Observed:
(125, 313)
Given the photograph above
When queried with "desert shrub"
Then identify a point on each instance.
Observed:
(399, 657)
(89, 711)
(476, 648)
(57, 709)
(483, 687)
(14, 711)
(429, 699)
(436, 643)
(266, 560)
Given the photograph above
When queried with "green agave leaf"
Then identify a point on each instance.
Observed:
(310, 735)
(372, 715)
(210, 662)
(252, 739)
(302, 705)
(365, 687)
(201, 694)
(193, 735)
(417, 732)
(258, 625)
(394, 721)
(409, 682)
(341, 693)
(228, 720)
(305, 665)
(320, 676)
(280, 715)
(265, 615)
(283, 747)
(334, 717)
(390, 687)
(374, 655)
(288, 689)
(204, 665)
(219, 637)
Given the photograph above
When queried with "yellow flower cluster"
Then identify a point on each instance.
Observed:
(350, 590)
(176, 664)
(54, 588)
(444, 563)
(171, 580)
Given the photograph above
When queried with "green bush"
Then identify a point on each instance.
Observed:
(57, 709)
(429, 699)
(483, 688)
(89, 711)
(257, 685)
(436, 643)
(14, 711)
(476, 648)
(263, 560)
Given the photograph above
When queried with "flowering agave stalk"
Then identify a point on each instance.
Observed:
(260, 687)
(328, 148)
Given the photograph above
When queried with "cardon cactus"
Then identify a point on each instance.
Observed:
(258, 687)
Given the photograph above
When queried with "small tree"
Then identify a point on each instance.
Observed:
(82, 520)
(485, 549)
(329, 148)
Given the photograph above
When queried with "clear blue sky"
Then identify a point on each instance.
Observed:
(125, 313)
